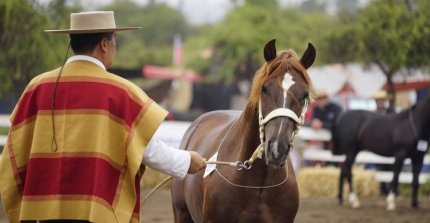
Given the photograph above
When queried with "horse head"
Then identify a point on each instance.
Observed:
(283, 97)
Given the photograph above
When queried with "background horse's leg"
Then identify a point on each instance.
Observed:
(346, 172)
(341, 179)
(417, 163)
(352, 199)
(397, 166)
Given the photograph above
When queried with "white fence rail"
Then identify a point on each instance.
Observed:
(366, 157)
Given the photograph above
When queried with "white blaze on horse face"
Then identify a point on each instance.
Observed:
(286, 84)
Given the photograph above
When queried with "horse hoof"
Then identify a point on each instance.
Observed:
(340, 201)
(391, 202)
(353, 200)
(391, 207)
(355, 204)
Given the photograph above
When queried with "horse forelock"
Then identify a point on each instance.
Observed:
(285, 61)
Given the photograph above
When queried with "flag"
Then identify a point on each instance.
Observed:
(178, 52)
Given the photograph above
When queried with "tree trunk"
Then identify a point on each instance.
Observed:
(391, 91)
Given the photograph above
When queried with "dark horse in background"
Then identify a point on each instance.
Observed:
(387, 135)
(268, 191)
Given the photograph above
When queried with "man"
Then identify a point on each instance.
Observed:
(380, 98)
(80, 137)
(325, 113)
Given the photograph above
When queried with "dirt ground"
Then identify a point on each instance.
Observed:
(157, 209)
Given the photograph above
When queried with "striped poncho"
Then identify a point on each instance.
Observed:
(102, 124)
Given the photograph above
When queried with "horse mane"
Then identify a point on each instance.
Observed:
(285, 60)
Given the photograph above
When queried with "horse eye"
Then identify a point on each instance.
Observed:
(265, 91)
(306, 95)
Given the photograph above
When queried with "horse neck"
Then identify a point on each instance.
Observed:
(248, 133)
(421, 114)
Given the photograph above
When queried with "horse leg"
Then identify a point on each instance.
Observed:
(180, 208)
(417, 163)
(349, 161)
(347, 172)
(341, 179)
(391, 198)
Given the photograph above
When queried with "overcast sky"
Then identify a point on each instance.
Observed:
(196, 11)
(203, 11)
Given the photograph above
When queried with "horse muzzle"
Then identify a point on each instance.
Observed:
(276, 153)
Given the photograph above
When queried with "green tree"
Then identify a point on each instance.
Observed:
(153, 43)
(25, 49)
(419, 56)
(237, 42)
(387, 33)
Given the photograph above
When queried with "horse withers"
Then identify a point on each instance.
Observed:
(397, 135)
(267, 191)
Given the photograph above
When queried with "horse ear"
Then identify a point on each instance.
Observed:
(308, 57)
(270, 50)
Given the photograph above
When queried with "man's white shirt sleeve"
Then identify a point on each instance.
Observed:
(166, 159)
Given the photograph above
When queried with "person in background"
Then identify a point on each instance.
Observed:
(381, 102)
(81, 137)
(325, 113)
(322, 115)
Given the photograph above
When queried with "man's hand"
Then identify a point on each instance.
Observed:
(197, 163)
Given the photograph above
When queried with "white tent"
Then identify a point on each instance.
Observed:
(363, 80)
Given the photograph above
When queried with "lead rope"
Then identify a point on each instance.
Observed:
(243, 165)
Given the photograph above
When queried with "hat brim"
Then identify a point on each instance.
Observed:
(84, 31)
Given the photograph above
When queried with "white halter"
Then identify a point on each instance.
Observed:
(279, 112)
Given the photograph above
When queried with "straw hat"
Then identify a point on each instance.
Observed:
(380, 95)
(320, 93)
(92, 22)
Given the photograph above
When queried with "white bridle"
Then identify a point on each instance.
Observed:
(279, 112)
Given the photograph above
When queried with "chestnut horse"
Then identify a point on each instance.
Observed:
(268, 191)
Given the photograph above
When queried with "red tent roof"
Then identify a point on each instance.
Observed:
(170, 73)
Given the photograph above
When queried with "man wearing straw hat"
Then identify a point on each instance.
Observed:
(380, 98)
(80, 137)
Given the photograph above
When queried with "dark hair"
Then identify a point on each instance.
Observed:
(86, 43)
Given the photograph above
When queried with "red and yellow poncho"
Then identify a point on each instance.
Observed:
(102, 123)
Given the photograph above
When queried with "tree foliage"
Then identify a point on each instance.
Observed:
(26, 49)
(387, 33)
(237, 42)
(153, 43)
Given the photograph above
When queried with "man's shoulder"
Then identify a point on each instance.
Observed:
(40, 78)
